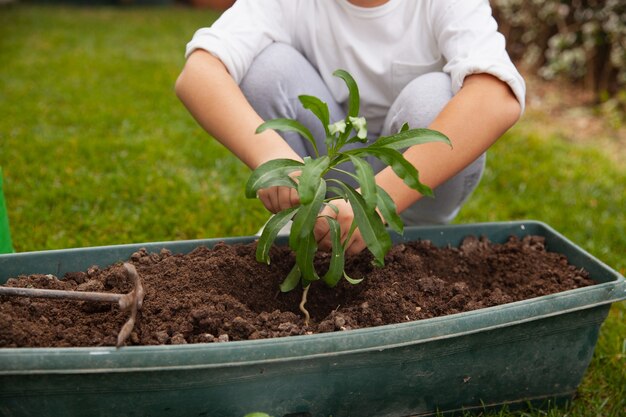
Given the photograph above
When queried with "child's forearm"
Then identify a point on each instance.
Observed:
(473, 120)
(214, 99)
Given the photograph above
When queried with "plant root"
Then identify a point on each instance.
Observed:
(307, 316)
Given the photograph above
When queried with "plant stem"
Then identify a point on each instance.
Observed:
(307, 316)
(343, 172)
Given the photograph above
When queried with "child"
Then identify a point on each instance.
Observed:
(440, 64)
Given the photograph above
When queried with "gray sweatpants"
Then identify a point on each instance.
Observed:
(279, 74)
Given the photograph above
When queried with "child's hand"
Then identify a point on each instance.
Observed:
(280, 198)
(276, 199)
(345, 216)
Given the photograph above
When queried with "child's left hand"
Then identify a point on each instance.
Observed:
(344, 216)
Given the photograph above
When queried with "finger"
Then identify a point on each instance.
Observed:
(321, 230)
(294, 197)
(269, 199)
(284, 197)
(344, 233)
(356, 244)
(274, 199)
(345, 219)
(325, 244)
(264, 198)
(322, 234)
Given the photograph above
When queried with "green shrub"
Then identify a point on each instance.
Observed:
(583, 41)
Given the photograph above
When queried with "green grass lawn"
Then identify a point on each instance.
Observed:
(97, 150)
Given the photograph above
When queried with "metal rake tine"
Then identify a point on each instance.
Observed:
(132, 300)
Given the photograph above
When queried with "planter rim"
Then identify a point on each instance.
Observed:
(78, 360)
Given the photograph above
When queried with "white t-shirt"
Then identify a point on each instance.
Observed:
(383, 47)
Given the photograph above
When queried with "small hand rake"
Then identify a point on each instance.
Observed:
(132, 301)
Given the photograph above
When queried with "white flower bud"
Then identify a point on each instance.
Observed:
(337, 127)
(360, 125)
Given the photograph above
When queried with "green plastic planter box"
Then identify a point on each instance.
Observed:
(534, 351)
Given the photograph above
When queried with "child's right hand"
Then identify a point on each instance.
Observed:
(280, 198)
(276, 199)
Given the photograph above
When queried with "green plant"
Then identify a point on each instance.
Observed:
(369, 203)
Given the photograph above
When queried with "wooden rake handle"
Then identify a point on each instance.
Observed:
(132, 301)
(61, 294)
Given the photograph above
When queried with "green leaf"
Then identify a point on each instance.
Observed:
(332, 206)
(272, 173)
(305, 256)
(270, 231)
(353, 89)
(403, 168)
(388, 209)
(336, 191)
(404, 128)
(367, 183)
(319, 109)
(337, 260)
(305, 219)
(308, 182)
(289, 126)
(292, 279)
(370, 225)
(408, 138)
(351, 280)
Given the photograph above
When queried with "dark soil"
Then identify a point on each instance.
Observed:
(224, 294)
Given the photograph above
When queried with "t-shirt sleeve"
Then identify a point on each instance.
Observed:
(468, 37)
(241, 32)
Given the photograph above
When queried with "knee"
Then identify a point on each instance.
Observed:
(270, 68)
(272, 58)
(422, 99)
(449, 197)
